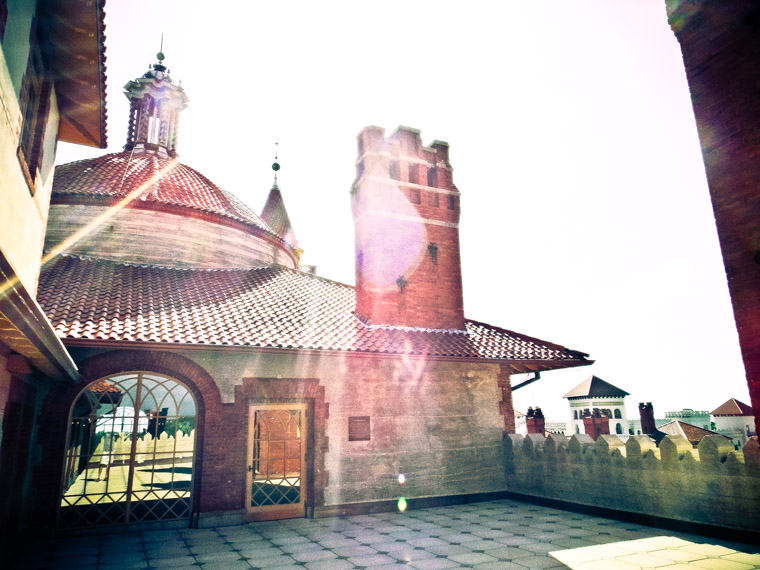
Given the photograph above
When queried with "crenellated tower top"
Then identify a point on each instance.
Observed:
(406, 230)
(155, 105)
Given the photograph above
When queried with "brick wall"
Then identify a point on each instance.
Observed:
(720, 42)
(406, 221)
(712, 485)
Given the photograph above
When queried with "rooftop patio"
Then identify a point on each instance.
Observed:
(499, 534)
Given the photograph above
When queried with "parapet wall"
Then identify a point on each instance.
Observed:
(711, 485)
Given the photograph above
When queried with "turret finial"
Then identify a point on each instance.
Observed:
(160, 57)
(275, 165)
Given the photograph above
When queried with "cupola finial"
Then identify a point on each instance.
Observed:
(160, 57)
(275, 164)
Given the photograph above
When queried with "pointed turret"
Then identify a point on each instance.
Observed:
(155, 105)
(276, 215)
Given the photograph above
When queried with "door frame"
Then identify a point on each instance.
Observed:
(285, 511)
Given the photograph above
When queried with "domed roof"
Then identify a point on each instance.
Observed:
(150, 179)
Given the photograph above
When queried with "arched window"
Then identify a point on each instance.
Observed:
(577, 429)
(575, 414)
(130, 452)
(619, 428)
(618, 415)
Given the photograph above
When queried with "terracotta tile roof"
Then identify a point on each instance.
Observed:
(594, 387)
(114, 176)
(103, 387)
(693, 433)
(733, 408)
(266, 307)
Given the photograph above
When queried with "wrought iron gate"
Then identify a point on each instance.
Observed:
(130, 452)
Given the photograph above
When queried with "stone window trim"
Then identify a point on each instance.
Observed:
(289, 390)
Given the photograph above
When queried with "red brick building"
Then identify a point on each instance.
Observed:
(221, 382)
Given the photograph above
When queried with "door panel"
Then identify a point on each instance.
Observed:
(276, 474)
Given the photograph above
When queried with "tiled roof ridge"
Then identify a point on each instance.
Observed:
(369, 325)
(321, 278)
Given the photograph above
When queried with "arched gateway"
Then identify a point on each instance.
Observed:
(130, 452)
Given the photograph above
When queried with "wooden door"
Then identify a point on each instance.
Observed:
(276, 473)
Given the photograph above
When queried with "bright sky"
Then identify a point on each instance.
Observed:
(586, 218)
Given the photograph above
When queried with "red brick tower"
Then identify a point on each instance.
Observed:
(406, 229)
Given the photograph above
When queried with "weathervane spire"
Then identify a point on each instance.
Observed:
(275, 165)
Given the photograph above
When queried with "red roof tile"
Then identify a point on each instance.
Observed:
(733, 407)
(164, 181)
(266, 307)
(693, 433)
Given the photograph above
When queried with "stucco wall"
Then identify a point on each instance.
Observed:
(437, 422)
(712, 485)
(22, 216)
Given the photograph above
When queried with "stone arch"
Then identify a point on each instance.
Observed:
(57, 405)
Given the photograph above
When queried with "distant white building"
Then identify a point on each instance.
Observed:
(734, 419)
(699, 418)
(595, 393)
(520, 426)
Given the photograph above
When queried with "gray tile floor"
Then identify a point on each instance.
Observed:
(499, 534)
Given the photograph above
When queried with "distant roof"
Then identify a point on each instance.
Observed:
(733, 407)
(112, 177)
(693, 433)
(594, 387)
(268, 307)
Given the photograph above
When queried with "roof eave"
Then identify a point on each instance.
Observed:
(517, 366)
(26, 330)
(75, 51)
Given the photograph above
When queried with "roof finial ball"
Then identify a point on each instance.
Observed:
(275, 164)
(159, 66)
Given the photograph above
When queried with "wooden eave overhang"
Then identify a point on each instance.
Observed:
(25, 329)
(73, 36)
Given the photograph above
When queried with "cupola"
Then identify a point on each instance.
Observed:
(155, 103)
(142, 206)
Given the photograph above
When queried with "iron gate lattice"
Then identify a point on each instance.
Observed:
(130, 452)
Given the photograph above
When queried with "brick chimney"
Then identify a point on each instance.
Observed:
(596, 424)
(406, 229)
(534, 421)
(646, 412)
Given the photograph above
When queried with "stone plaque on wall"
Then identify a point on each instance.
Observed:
(358, 428)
